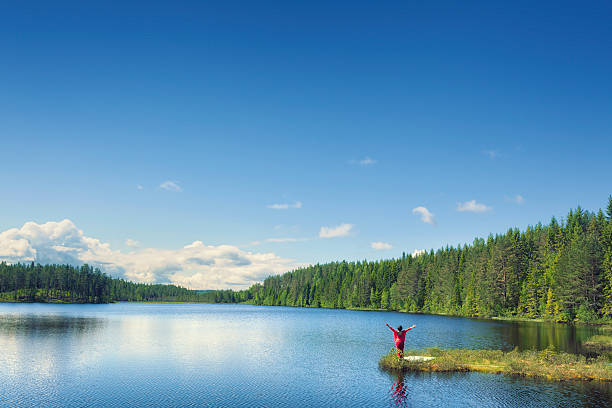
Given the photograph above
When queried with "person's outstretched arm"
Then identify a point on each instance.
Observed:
(391, 328)
(410, 328)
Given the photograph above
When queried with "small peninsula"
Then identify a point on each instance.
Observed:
(546, 364)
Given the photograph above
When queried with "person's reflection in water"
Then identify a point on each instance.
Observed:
(399, 396)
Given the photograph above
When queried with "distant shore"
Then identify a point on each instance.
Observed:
(606, 324)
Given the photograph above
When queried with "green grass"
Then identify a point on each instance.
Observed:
(543, 364)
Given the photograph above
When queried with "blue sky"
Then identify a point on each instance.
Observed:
(359, 112)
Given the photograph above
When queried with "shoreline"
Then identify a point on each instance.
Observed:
(606, 324)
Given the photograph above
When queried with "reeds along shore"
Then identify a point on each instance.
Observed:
(543, 364)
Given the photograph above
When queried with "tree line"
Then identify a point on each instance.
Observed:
(70, 284)
(561, 271)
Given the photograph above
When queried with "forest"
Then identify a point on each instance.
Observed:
(561, 271)
(70, 284)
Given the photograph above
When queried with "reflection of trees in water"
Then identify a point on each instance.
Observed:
(46, 325)
(42, 346)
(535, 335)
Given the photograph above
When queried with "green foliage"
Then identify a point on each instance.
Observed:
(561, 271)
(384, 299)
(69, 284)
(586, 314)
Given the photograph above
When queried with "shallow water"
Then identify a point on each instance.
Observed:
(136, 354)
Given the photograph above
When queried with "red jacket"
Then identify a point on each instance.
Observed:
(399, 336)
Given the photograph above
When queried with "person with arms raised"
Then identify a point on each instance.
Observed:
(399, 336)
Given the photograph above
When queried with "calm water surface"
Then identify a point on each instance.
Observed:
(172, 355)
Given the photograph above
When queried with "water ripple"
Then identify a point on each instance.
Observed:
(143, 355)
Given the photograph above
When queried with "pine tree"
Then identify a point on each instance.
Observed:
(606, 281)
(606, 308)
(551, 305)
(374, 299)
(384, 299)
(528, 305)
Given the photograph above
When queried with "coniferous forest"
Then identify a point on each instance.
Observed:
(69, 284)
(561, 271)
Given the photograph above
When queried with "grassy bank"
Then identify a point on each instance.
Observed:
(543, 364)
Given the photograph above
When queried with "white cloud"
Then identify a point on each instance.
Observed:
(195, 265)
(518, 199)
(473, 206)
(367, 161)
(417, 252)
(170, 186)
(132, 243)
(139, 187)
(426, 215)
(285, 239)
(276, 241)
(341, 230)
(381, 246)
(285, 206)
(491, 153)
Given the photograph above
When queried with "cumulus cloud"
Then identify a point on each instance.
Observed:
(139, 187)
(381, 246)
(473, 206)
(417, 252)
(426, 215)
(196, 265)
(285, 206)
(341, 230)
(170, 186)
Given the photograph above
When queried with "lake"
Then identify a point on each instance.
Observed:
(170, 355)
